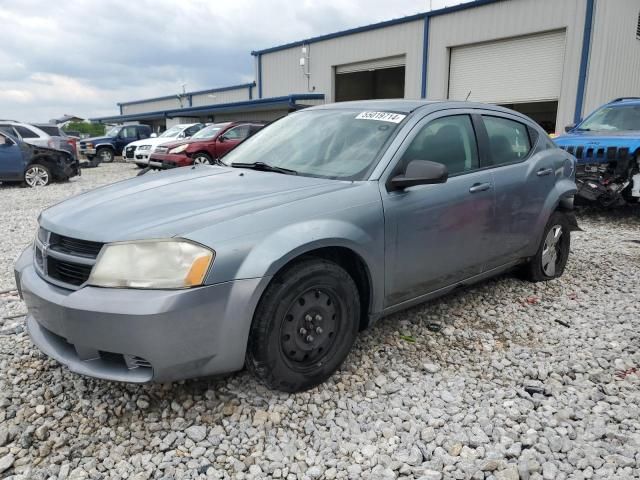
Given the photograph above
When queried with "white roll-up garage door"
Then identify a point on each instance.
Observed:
(378, 63)
(526, 69)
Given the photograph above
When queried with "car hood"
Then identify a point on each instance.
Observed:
(96, 139)
(619, 139)
(177, 202)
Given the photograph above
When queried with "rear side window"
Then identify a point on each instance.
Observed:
(509, 140)
(26, 132)
(447, 140)
(53, 131)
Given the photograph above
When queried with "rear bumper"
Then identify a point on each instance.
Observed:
(140, 336)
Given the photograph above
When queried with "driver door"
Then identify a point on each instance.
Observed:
(437, 235)
(229, 139)
(125, 137)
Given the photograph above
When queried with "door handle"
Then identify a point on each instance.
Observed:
(544, 172)
(479, 187)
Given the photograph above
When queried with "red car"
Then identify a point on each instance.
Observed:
(204, 147)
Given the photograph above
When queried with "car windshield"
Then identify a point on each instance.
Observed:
(338, 144)
(620, 118)
(208, 132)
(113, 132)
(171, 133)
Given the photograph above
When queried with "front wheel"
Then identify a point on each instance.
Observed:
(304, 326)
(551, 258)
(37, 175)
(105, 155)
(201, 159)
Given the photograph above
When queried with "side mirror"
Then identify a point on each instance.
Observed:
(420, 172)
(570, 127)
(153, 135)
(222, 139)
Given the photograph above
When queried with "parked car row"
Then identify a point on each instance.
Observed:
(41, 135)
(34, 165)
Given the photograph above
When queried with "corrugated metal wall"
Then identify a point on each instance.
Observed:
(266, 115)
(152, 106)
(614, 63)
(510, 18)
(227, 96)
(282, 73)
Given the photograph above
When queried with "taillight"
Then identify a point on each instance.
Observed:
(50, 143)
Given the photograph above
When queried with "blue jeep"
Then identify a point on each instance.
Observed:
(607, 147)
(105, 148)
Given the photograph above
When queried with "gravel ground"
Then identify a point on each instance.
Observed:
(522, 381)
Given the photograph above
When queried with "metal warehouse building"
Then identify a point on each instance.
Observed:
(554, 60)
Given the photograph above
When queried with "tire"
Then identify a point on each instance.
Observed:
(105, 154)
(304, 326)
(202, 159)
(551, 258)
(141, 165)
(37, 175)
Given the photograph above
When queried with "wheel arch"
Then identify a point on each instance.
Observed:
(350, 261)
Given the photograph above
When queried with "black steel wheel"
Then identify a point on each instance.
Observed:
(304, 326)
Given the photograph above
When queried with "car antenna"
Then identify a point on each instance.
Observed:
(468, 95)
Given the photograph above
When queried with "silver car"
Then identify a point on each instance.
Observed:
(318, 226)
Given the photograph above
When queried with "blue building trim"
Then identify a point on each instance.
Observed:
(584, 60)
(288, 101)
(425, 56)
(259, 75)
(197, 92)
(375, 26)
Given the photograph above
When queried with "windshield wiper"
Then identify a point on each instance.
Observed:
(583, 129)
(264, 167)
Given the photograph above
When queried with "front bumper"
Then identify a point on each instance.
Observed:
(140, 157)
(87, 151)
(140, 336)
(167, 160)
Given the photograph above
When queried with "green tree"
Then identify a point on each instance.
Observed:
(92, 129)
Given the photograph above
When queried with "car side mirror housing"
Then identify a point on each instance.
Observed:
(420, 172)
(570, 127)
(222, 139)
(154, 135)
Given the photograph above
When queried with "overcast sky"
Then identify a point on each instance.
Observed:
(81, 57)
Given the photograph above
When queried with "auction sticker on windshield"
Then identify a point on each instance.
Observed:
(381, 116)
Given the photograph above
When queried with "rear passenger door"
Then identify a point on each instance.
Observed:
(523, 181)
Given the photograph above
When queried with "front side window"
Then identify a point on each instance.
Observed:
(450, 141)
(237, 133)
(508, 140)
(129, 132)
(613, 119)
(337, 144)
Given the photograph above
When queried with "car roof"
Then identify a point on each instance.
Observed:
(409, 106)
(624, 101)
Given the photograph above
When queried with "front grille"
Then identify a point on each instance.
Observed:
(64, 261)
(68, 272)
(597, 154)
(74, 246)
(130, 151)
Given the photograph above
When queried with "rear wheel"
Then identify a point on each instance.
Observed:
(37, 175)
(552, 255)
(105, 154)
(201, 159)
(304, 326)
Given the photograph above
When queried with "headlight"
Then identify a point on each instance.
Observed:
(144, 147)
(179, 149)
(152, 264)
(89, 145)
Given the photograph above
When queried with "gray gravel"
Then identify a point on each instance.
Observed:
(501, 392)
